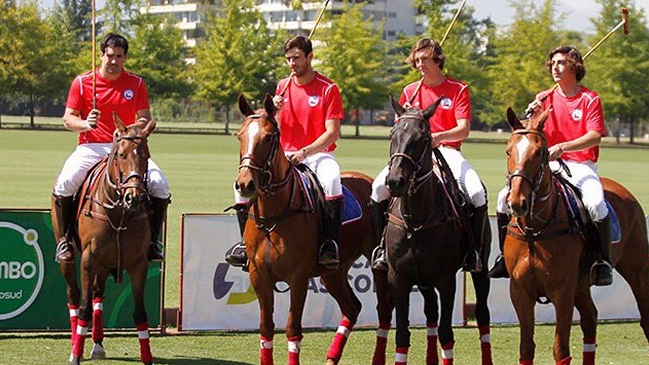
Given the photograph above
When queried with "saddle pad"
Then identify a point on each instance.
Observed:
(352, 210)
(580, 217)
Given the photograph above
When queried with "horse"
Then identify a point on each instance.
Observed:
(423, 239)
(282, 235)
(112, 234)
(548, 259)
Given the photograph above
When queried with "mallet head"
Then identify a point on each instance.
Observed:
(625, 17)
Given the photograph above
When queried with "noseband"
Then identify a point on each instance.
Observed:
(137, 181)
(534, 181)
(416, 181)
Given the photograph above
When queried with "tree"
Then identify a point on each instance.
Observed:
(239, 56)
(76, 16)
(119, 16)
(353, 56)
(157, 54)
(619, 68)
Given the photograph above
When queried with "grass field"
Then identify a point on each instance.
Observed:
(200, 170)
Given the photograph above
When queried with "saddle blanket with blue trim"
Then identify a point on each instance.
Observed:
(351, 210)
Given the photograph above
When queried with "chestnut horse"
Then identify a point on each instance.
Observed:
(112, 233)
(423, 239)
(548, 258)
(282, 239)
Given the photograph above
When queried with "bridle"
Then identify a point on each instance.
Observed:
(416, 181)
(264, 169)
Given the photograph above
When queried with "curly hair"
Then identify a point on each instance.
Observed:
(435, 51)
(573, 56)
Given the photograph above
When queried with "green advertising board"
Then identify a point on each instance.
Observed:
(33, 291)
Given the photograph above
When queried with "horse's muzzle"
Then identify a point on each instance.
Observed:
(397, 185)
(132, 201)
(246, 187)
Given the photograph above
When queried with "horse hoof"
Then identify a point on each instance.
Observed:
(98, 352)
(331, 362)
(74, 360)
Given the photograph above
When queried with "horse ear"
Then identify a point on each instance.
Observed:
(513, 120)
(540, 121)
(119, 124)
(428, 112)
(244, 107)
(269, 105)
(396, 106)
(149, 128)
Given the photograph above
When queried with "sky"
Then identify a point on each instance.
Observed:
(578, 12)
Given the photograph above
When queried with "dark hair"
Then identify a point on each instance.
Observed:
(300, 42)
(435, 50)
(574, 60)
(114, 40)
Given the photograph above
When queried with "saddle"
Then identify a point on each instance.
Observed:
(88, 185)
(457, 199)
(579, 215)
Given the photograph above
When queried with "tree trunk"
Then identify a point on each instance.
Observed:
(631, 130)
(227, 118)
(31, 111)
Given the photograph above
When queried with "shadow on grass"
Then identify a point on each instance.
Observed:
(180, 360)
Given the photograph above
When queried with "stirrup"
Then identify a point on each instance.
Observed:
(474, 264)
(237, 255)
(64, 252)
(155, 252)
(379, 261)
(328, 258)
(601, 273)
(499, 271)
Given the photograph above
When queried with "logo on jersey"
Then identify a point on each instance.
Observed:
(313, 100)
(446, 103)
(577, 114)
(128, 94)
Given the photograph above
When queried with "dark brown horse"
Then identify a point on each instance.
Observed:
(547, 258)
(424, 240)
(282, 239)
(112, 234)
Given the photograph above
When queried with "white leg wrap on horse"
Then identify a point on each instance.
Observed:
(143, 335)
(402, 358)
(447, 354)
(265, 344)
(590, 347)
(485, 338)
(82, 331)
(99, 306)
(74, 312)
(294, 346)
(383, 333)
(343, 331)
(432, 331)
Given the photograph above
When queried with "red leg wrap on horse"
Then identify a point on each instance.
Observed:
(266, 350)
(589, 351)
(145, 347)
(432, 357)
(294, 344)
(401, 356)
(381, 344)
(485, 344)
(97, 319)
(74, 317)
(80, 338)
(565, 361)
(340, 339)
(447, 353)
(525, 362)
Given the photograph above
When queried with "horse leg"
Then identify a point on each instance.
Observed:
(85, 309)
(636, 273)
(265, 296)
(431, 311)
(588, 322)
(138, 281)
(563, 306)
(524, 307)
(447, 299)
(98, 351)
(69, 271)
(294, 320)
(482, 285)
(338, 286)
(384, 310)
(400, 295)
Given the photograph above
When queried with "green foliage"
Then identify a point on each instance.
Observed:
(157, 54)
(119, 15)
(353, 57)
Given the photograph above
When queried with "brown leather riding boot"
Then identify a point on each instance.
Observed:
(601, 273)
(500, 270)
(62, 212)
(379, 211)
(328, 253)
(237, 256)
(156, 219)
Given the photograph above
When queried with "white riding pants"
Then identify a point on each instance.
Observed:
(584, 177)
(85, 156)
(466, 177)
(326, 169)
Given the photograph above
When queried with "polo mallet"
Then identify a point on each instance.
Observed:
(441, 43)
(94, 57)
(317, 21)
(624, 23)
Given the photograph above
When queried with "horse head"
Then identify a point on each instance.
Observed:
(259, 145)
(410, 148)
(527, 161)
(128, 161)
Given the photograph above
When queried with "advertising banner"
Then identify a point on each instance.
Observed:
(216, 296)
(33, 291)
